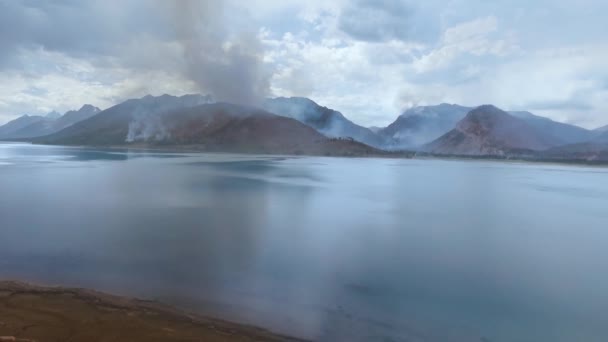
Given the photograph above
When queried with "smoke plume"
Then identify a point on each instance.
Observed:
(225, 64)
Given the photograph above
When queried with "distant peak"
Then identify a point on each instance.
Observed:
(487, 108)
(53, 115)
(296, 99)
(88, 107)
(198, 96)
(602, 129)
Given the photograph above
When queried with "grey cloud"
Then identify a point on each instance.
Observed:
(574, 104)
(189, 38)
(73, 27)
(381, 20)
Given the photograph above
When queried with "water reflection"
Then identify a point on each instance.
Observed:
(331, 249)
(47, 154)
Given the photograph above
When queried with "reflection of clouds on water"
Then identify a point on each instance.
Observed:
(335, 249)
(45, 154)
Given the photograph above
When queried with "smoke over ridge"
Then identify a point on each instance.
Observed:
(225, 64)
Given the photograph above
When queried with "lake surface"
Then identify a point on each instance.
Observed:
(325, 248)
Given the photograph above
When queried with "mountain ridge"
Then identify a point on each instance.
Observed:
(327, 121)
(43, 125)
(419, 125)
(488, 130)
(212, 127)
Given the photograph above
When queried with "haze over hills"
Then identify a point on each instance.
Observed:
(196, 121)
(54, 115)
(51, 123)
(327, 121)
(602, 138)
(594, 150)
(420, 125)
(301, 126)
(7, 130)
(487, 130)
(601, 129)
(125, 122)
(561, 133)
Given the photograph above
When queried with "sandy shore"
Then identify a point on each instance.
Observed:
(33, 313)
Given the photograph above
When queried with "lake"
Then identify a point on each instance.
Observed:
(331, 249)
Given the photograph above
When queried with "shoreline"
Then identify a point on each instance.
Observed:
(39, 313)
(407, 155)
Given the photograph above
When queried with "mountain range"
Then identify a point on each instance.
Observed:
(199, 123)
(487, 130)
(300, 126)
(601, 129)
(419, 125)
(326, 121)
(28, 126)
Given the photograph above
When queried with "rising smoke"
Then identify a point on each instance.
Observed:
(225, 64)
(145, 127)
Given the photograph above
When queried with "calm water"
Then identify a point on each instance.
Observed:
(324, 248)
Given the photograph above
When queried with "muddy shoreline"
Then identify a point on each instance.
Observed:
(36, 313)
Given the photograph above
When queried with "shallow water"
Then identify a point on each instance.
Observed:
(325, 248)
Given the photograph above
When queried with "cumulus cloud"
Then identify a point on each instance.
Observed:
(373, 20)
(368, 59)
(473, 37)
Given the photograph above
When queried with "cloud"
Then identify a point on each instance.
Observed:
(371, 20)
(368, 59)
(472, 38)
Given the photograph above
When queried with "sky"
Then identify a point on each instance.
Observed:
(369, 59)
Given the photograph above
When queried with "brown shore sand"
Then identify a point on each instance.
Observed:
(34, 313)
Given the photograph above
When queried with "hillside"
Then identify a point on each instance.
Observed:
(487, 130)
(52, 124)
(111, 126)
(420, 125)
(327, 121)
(8, 130)
(601, 129)
(217, 127)
(561, 133)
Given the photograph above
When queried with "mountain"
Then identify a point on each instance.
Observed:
(329, 122)
(52, 124)
(487, 130)
(561, 133)
(601, 129)
(420, 125)
(11, 127)
(602, 138)
(589, 152)
(117, 124)
(196, 123)
(74, 116)
(594, 150)
(54, 115)
(375, 129)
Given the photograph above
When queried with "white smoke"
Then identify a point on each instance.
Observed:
(226, 64)
(149, 115)
(147, 128)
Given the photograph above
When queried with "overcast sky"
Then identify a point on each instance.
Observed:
(369, 59)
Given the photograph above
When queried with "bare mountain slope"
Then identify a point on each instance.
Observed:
(487, 130)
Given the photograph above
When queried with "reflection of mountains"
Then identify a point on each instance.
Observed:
(212, 252)
(266, 169)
